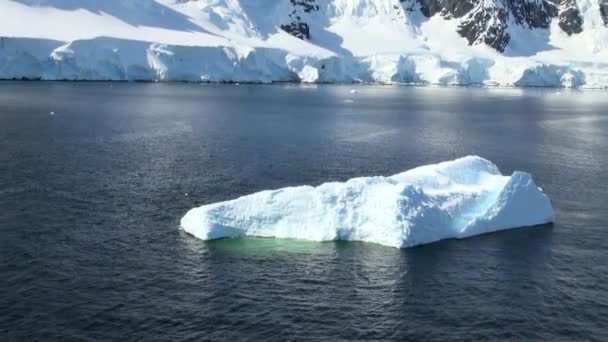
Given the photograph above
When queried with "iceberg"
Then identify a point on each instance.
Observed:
(455, 199)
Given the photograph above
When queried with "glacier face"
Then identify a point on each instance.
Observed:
(443, 42)
(454, 199)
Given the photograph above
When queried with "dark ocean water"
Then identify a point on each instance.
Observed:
(91, 198)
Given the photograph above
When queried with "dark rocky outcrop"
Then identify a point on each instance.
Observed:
(532, 13)
(447, 8)
(487, 26)
(481, 21)
(604, 11)
(297, 26)
(570, 19)
(298, 29)
(487, 22)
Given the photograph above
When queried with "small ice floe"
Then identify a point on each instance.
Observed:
(354, 91)
(52, 113)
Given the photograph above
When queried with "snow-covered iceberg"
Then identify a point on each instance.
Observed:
(455, 199)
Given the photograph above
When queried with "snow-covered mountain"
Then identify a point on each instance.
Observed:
(481, 42)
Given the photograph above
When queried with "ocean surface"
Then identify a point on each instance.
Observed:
(94, 178)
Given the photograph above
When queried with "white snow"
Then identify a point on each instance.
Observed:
(240, 40)
(454, 199)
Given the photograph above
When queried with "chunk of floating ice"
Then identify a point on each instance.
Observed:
(52, 113)
(454, 199)
(354, 91)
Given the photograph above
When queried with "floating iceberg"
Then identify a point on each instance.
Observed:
(454, 199)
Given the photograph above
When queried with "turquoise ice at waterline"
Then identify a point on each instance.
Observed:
(455, 199)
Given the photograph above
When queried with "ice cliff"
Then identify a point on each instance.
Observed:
(558, 43)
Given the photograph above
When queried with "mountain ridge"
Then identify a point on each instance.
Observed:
(561, 43)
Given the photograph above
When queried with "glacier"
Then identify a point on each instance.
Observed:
(362, 41)
(455, 199)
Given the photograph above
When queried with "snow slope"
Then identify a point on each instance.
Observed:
(455, 199)
(385, 41)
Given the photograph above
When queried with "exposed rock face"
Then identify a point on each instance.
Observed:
(533, 13)
(447, 8)
(570, 19)
(487, 21)
(297, 29)
(297, 26)
(604, 11)
(487, 25)
(481, 21)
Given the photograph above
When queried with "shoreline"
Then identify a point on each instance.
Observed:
(279, 82)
